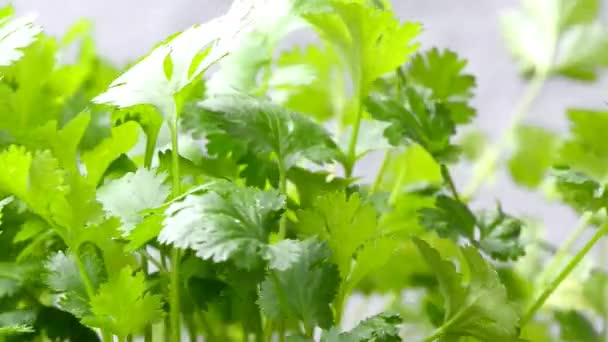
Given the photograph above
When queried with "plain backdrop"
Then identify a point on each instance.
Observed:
(126, 29)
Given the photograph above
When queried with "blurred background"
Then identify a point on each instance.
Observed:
(126, 30)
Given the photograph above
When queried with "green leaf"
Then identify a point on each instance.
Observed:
(441, 72)
(575, 327)
(323, 95)
(15, 277)
(175, 64)
(426, 123)
(371, 42)
(578, 190)
(499, 235)
(311, 185)
(282, 254)
(127, 197)
(535, 152)
(15, 34)
(379, 328)
(450, 218)
(65, 280)
(224, 222)
(585, 150)
(344, 222)
(267, 129)
(4, 202)
(595, 292)
(305, 290)
(97, 160)
(123, 305)
(558, 37)
(471, 309)
(16, 329)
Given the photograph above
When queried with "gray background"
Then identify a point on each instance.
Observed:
(126, 29)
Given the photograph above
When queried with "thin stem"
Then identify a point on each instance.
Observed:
(551, 287)
(351, 156)
(398, 185)
(382, 171)
(449, 181)
(564, 249)
(106, 336)
(175, 253)
(151, 259)
(283, 191)
(486, 166)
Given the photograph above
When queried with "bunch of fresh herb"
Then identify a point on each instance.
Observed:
(251, 223)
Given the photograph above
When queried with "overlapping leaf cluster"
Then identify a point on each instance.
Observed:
(252, 223)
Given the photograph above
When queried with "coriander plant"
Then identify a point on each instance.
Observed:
(212, 189)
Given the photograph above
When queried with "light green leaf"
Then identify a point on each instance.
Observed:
(344, 222)
(370, 41)
(282, 254)
(585, 150)
(97, 160)
(15, 34)
(574, 327)
(16, 329)
(558, 36)
(65, 280)
(128, 196)
(321, 97)
(535, 152)
(224, 222)
(4, 202)
(471, 309)
(123, 305)
(305, 290)
(170, 67)
(441, 73)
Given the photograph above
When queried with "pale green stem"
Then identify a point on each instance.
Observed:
(564, 249)
(283, 191)
(351, 157)
(106, 336)
(487, 164)
(175, 311)
(551, 287)
(382, 171)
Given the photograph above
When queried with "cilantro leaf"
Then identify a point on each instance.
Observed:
(268, 129)
(15, 34)
(499, 235)
(370, 41)
(470, 309)
(426, 123)
(65, 280)
(123, 305)
(441, 72)
(558, 37)
(576, 327)
(322, 96)
(450, 218)
(175, 64)
(311, 282)
(380, 328)
(128, 196)
(4, 202)
(578, 190)
(16, 329)
(535, 152)
(224, 222)
(97, 160)
(585, 150)
(311, 185)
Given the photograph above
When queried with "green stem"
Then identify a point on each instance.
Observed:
(486, 166)
(283, 191)
(282, 302)
(551, 287)
(351, 156)
(564, 249)
(106, 336)
(396, 191)
(449, 182)
(175, 253)
(382, 171)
